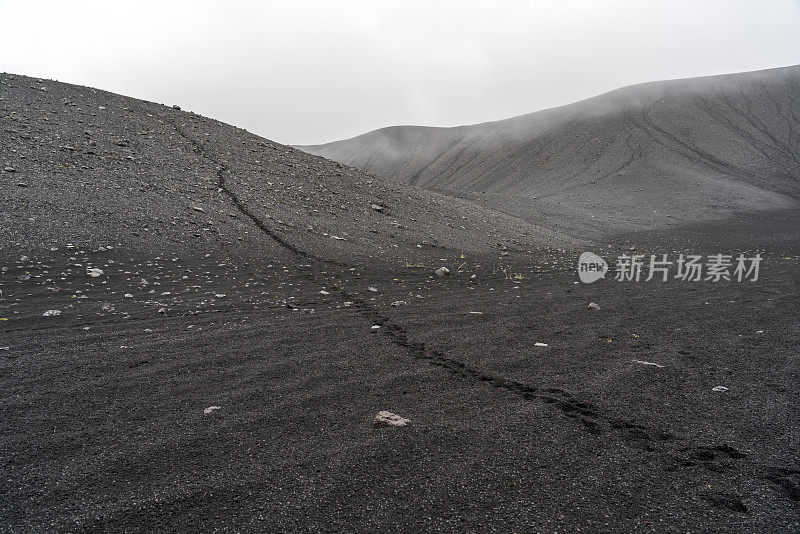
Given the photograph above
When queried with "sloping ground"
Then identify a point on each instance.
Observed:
(642, 156)
(92, 168)
(103, 422)
(223, 375)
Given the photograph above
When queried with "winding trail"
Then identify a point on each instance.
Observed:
(588, 415)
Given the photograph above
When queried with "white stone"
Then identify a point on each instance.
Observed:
(385, 418)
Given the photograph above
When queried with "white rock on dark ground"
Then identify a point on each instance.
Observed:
(385, 419)
(594, 306)
(642, 362)
(51, 313)
(442, 271)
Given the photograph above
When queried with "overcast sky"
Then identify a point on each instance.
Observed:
(313, 71)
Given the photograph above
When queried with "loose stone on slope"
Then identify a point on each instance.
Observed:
(387, 419)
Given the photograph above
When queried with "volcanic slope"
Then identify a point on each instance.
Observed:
(179, 351)
(644, 156)
(89, 167)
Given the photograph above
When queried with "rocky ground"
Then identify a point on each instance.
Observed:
(199, 381)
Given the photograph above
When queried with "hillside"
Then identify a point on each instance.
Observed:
(643, 156)
(88, 167)
(198, 328)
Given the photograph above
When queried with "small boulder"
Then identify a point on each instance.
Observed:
(385, 419)
(594, 306)
(442, 271)
(51, 313)
(95, 272)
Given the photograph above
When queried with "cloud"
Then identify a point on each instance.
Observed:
(313, 71)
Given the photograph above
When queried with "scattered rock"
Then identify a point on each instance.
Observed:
(51, 313)
(594, 306)
(719, 389)
(647, 363)
(95, 272)
(538, 344)
(398, 303)
(377, 207)
(323, 292)
(210, 409)
(442, 271)
(376, 327)
(384, 419)
(9, 169)
(128, 296)
(175, 106)
(198, 208)
(373, 289)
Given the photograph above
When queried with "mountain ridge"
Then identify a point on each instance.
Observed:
(716, 144)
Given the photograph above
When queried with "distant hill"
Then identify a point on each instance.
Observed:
(642, 156)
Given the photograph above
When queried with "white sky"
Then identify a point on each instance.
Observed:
(303, 71)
